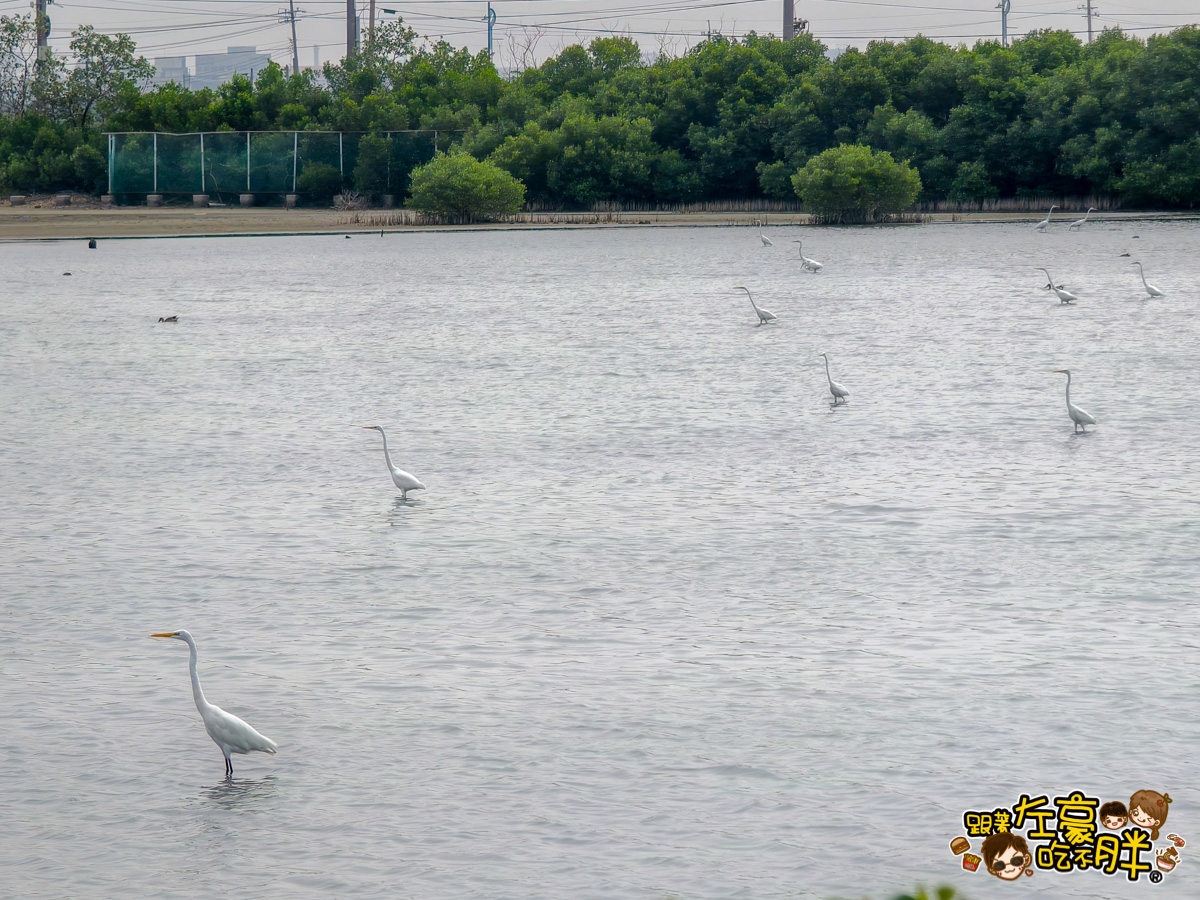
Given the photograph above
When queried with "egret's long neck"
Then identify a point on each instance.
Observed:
(1068, 389)
(1142, 272)
(827, 375)
(387, 456)
(197, 691)
(751, 299)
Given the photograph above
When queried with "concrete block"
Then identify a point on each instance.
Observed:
(246, 199)
(200, 200)
(17, 200)
(108, 200)
(291, 201)
(154, 199)
(62, 199)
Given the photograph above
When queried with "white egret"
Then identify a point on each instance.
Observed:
(228, 732)
(1078, 416)
(1041, 226)
(811, 264)
(400, 478)
(764, 315)
(1064, 296)
(1079, 223)
(840, 394)
(766, 240)
(1150, 289)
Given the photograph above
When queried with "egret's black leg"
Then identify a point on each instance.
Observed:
(228, 768)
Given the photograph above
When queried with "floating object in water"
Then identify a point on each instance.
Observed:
(92, 244)
(347, 237)
(228, 732)
(168, 319)
(66, 273)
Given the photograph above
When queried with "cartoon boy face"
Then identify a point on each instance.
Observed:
(1112, 823)
(1009, 863)
(1144, 819)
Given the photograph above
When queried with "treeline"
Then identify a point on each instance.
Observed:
(1048, 116)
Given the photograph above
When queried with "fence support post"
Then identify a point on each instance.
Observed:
(112, 158)
(295, 156)
(341, 164)
(156, 162)
(247, 162)
(202, 162)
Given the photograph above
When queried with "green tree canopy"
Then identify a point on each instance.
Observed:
(459, 187)
(853, 183)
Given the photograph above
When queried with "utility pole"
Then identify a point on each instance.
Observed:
(351, 29)
(789, 19)
(371, 25)
(289, 15)
(1090, 12)
(1004, 6)
(491, 25)
(43, 29)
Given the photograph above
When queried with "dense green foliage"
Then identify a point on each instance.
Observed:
(855, 184)
(1048, 116)
(459, 187)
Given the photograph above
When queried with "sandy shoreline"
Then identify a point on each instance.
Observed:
(28, 223)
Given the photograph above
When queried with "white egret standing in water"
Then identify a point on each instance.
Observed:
(400, 478)
(228, 732)
(1064, 296)
(766, 240)
(764, 315)
(1150, 289)
(1041, 226)
(811, 264)
(1079, 223)
(1078, 416)
(840, 394)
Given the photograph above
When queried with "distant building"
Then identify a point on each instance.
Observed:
(171, 68)
(215, 69)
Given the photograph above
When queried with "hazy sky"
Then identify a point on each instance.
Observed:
(187, 27)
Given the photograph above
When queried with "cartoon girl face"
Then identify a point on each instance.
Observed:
(1010, 863)
(1145, 819)
(1006, 855)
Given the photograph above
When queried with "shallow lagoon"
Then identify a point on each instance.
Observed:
(663, 624)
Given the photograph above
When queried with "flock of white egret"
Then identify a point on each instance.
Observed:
(233, 735)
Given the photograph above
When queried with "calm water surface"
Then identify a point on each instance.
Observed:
(664, 625)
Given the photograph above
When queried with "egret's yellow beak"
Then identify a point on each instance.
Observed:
(369, 427)
(1059, 371)
(170, 634)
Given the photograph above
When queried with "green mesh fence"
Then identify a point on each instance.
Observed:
(227, 163)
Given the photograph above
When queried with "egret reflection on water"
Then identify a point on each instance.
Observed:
(1080, 417)
(403, 480)
(228, 732)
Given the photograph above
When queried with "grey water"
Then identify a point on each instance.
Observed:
(664, 623)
